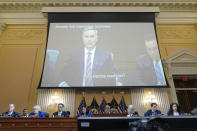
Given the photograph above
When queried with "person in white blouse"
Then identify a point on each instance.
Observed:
(132, 112)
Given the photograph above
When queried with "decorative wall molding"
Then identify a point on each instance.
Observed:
(2, 27)
(38, 4)
(23, 17)
(99, 9)
(184, 62)
(29, 17)
(166, 33)
(25, 34)
(29, 11)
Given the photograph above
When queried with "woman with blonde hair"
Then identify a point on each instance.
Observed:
(131, 111)
(37, 112)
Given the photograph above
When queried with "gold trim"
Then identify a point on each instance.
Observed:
(100, 9)
(36, 5)
(2, 27)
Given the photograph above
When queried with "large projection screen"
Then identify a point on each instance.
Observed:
(103, 50)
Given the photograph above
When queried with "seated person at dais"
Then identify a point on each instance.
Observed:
(194, 112)
(11, 112)
(84, 113)
(175, 110)
(153, 111)
(114, 110)
(107, 109)
(131, 111)
(25, 113)
(61, 112)
(94, 111)
(37, 112)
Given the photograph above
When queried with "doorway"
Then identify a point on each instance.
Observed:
(186, 90)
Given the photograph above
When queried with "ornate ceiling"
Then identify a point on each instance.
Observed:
(29, 11)
(36, 5)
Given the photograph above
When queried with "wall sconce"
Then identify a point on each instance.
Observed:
(103, 93)
(150, 98)
(55, 99)
(122, 92)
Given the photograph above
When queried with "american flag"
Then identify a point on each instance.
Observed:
(94, 104)
(82, 104)
(122, 107)
(102, 105)
(114, 105)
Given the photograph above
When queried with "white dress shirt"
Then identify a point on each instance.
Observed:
(161, 69)
(60, 113)
(175, 113)
(10, 113)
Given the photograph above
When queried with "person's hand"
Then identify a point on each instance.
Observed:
(63, 84)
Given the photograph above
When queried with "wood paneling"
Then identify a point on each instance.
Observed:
(21, 56)
(38, 124)
(174, 37)
(16, 75)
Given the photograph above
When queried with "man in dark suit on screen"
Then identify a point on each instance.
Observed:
(149, 70)
(89, 66)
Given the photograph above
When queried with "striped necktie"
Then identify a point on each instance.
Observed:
(88, 76)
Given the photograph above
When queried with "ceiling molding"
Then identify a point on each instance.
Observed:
(2, 27)
(100, 9)
(182, 56)
(36, 5)
(30, 11)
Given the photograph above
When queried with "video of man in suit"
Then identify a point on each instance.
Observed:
(102, 55)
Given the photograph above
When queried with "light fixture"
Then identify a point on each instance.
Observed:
(150, 98)
(55, 99)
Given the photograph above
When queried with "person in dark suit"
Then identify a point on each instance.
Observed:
(25, 113)
(37, 112)
(90, 66)
(60, 112)
(174, 110)
(11, 112)
(132, 112)
(153, 111)
(149, 70)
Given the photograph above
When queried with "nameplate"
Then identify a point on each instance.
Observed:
(85, 124)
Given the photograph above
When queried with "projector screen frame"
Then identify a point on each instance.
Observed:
(112, 17)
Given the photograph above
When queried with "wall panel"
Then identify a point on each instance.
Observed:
(21, 56)
(173, 38)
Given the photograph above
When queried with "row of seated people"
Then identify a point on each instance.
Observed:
(173, 111)
(131, 112)
(36, 112)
